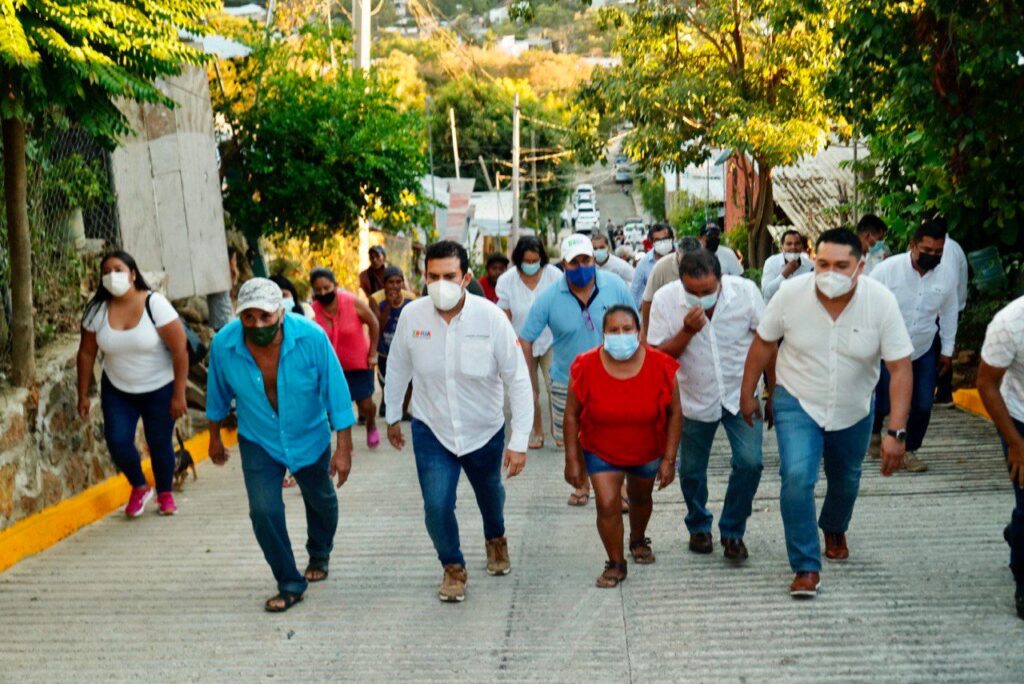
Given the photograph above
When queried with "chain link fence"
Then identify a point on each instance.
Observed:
(73, 218)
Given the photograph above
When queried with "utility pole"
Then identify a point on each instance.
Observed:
(430, 154)
(533, 171)
(487, 176)
(455, 142)
(361, 13)
(330, 35)
(513, 236)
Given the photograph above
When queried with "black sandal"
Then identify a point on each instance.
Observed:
(289, 599)
(314, 567)
(606, 581)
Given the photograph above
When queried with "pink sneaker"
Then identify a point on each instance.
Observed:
(373, 439)
(137, 503)
(166, 501)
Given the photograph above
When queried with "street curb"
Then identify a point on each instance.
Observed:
(42, 530)
(970, 401)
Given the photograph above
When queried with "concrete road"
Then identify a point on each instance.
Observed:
(926, 595)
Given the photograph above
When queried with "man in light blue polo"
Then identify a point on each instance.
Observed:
(573, 309)
(289, 390)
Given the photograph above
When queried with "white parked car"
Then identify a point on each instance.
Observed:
(585, 207)
(623, 174)
(583, 192)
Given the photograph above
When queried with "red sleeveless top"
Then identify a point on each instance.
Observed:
(345, 331)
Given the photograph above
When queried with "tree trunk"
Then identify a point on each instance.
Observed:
(759, 240)
(19, 246)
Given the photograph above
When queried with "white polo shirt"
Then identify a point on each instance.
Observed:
(772, 278)
(1004, 348)
(457, 370)
(922, 300)
(711, 367)
(619, 267)
(832, 367)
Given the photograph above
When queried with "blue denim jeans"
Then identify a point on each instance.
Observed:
(926, 376)
(1014, 532)
(439, 471)
(121, 413)
(802, 444)
(694, 452)
(263, 476)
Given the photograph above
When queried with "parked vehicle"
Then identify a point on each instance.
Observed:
(623, 174)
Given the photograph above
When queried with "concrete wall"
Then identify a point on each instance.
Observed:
(168, 189)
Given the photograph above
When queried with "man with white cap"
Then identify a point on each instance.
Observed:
(573, 309)
(289, 391)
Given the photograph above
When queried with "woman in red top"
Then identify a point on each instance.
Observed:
(623, 421)
(342, 316)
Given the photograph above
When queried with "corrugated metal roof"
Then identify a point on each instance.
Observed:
(811, 191)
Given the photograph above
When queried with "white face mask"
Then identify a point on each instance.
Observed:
(116, 283)
(832, 284)
(663, 247)
(790, 256)
(445, 294)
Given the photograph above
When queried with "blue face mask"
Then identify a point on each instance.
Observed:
(706, 302)
(878, 247)
(621, 346)
(530, 268)
(581, 275)
(601, 255)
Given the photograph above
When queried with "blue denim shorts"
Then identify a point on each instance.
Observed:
(596, 464)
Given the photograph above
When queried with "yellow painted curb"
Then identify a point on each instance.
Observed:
(47, 527)
(970, 400)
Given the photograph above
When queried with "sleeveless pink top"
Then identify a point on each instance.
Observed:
(345, 331)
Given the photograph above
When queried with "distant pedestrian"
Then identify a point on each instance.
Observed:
(145, 370)
(829, 329)
(342, 315)
(389, 309)
(619, 441)
(662, 242)
(496, 265)
(460, 354)
(285, 417)
(606, 261)
(290, 297)
(711, 237)
(791, 261)
(871, 231)
(1001, 385)
(517, 290)
(372, 279)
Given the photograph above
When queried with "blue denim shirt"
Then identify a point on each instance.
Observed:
(312, 394)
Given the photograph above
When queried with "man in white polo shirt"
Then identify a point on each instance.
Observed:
(606, 261)
(927, 296)
(834, 326)
(460, 353)
(791, 261)
(707, 321)
(1001, 386)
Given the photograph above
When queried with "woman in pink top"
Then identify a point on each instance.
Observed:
(342, 316)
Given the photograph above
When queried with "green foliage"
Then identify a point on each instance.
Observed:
(651, 187)
(687, 215)
(936, 86)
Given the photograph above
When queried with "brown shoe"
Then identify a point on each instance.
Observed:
(805, 585)
(642, 552)
(734, 549)
(453, 586)
(701, 542)
(835, 546)
(498, 562)
(913, 464)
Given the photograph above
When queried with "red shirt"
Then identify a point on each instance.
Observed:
(624, 421)
(488, 289)
(346, 332)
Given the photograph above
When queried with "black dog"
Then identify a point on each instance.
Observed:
(183, 462)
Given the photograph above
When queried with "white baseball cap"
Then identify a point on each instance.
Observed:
(259, 293)
(575, 245)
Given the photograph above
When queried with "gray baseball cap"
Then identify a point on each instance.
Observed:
(259, 293)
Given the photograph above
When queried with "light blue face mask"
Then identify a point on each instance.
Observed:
(621, 346)
(601, 255)
(530, 268)
(878, 247)
(706, 302)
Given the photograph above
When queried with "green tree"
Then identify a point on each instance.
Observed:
(72, 61)
(936, 87)
(743, 75)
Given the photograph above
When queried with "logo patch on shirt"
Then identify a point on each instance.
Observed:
(421, 334)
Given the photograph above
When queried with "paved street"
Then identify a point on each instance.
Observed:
(926, 595)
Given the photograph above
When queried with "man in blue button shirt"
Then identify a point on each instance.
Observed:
(289, 391)
(574, 310)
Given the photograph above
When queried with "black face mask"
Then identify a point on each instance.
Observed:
(327, 298)
(927, 262)
(711, 243)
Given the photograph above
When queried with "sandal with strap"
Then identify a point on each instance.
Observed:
(315, 567)
(289, 599)
(642, 552)
(613, 574)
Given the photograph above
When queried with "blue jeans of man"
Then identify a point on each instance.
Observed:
(439, 469)
(1014, 532)
(121, 413)
(263, 476)
(926, 375)
(802, 445)
(694, 452)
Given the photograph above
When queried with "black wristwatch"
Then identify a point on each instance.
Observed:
(901, 435)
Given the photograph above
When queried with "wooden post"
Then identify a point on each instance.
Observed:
(19, 246)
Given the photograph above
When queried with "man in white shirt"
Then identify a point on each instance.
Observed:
(711, 238)
(925, 292)
(953, 259)
(871, 231)
(665, 272)
(1001, 386)
(707, 321)
(791, 261)
(606, 261)
(834, 327)
(459, 350)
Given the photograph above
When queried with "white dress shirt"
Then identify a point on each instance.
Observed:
(772, 278)
(832, 366)
(515, 296)
(1004, 348)
(711, 367)
(619, 267)
(456, 371)
(922, 300)
(729, 261)
(954, 259)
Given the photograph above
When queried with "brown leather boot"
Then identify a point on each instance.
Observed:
(805, 585)
(453, 586)
(498, 562)
(835, 546)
